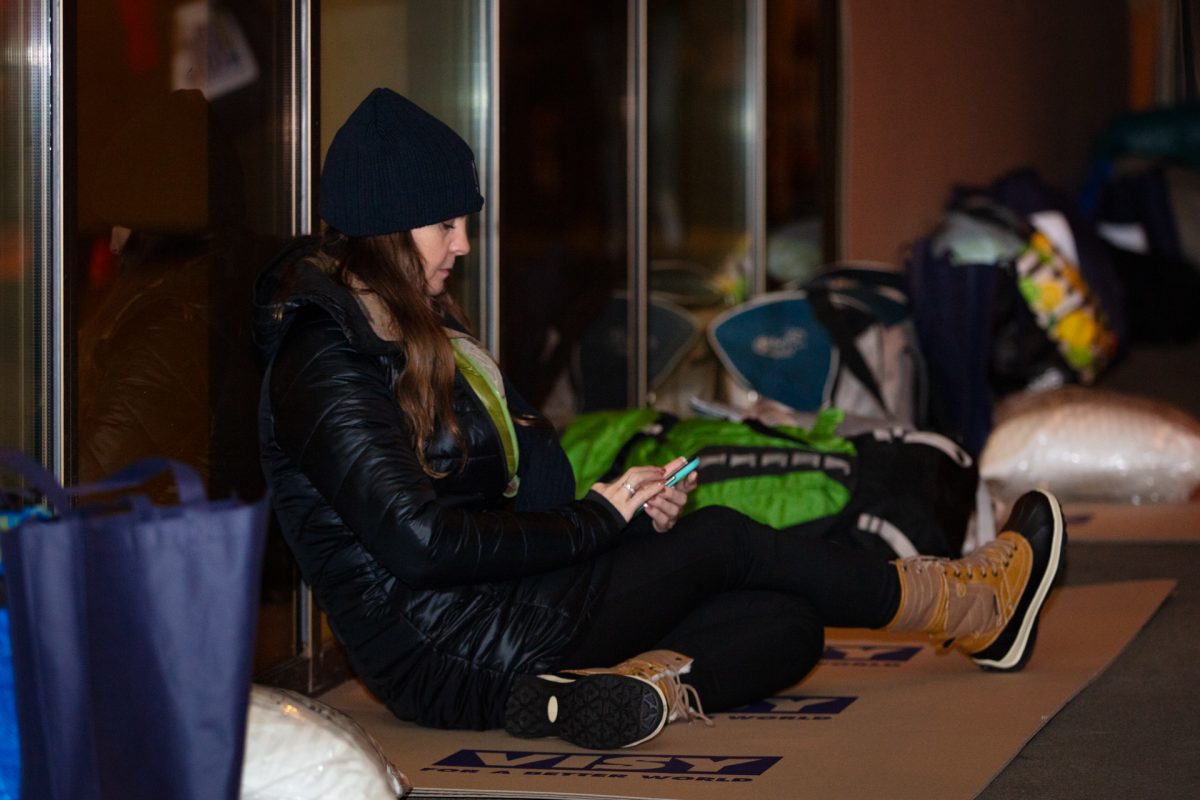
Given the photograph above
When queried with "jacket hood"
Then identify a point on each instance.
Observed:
(295, 280)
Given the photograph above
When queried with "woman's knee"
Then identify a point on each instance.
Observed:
(798, 635)
(748, 645)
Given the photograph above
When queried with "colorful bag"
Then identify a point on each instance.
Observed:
(1001, 305)
(1065, 308)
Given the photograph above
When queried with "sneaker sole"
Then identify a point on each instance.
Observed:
(1018, 652)
(596, 712)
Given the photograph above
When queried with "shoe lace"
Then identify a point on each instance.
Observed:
(683, 701)
(988, 565)
(994, 557)
(683, 698)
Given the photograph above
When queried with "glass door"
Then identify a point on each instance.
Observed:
(180, 184)
(739, 172)
(565, 159)
(660, 162)
(30, 231)
(704, 187)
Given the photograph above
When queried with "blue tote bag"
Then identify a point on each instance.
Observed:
(10, 751)
(132, 628)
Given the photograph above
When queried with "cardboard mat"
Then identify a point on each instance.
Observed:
(1104, 522)
(879, 717)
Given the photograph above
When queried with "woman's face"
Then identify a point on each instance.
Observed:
(439, 244)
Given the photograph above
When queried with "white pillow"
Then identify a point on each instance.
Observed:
(300, 749)
(1089, 444)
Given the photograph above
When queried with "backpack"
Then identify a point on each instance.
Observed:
(1011, 291)
(894, 491)
(845, 339)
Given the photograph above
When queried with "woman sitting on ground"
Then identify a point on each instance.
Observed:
(433, 513)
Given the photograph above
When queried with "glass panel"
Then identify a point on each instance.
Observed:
(27, 236)
(563, 229)
(700, 98)
(179, 198)
(798, 192)
(431, 51)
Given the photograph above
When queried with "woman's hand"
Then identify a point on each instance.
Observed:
(643, 487)
(666, 506)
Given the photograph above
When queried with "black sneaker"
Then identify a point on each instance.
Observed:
(597, 711)
(1037, 518)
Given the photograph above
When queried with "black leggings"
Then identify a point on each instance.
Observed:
(747, 602)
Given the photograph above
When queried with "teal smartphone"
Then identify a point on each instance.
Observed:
(683, 472)
(676, 477)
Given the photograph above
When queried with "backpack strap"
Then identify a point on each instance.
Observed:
(835, 323)
(863, 276)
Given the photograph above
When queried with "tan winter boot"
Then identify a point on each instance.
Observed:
(987, 603)
(604, 708)
(663, 668)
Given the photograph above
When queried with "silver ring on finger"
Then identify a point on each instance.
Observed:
(630, 488)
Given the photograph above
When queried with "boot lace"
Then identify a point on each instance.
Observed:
(993, 558)
(987, 565)
(683, 699)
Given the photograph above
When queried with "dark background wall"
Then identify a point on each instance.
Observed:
(943, 91)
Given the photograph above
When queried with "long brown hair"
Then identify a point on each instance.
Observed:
(390, 266)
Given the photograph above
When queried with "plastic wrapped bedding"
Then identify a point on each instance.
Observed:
(1093, 445)
(300, 749)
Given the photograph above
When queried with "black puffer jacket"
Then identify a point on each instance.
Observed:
(441, 589)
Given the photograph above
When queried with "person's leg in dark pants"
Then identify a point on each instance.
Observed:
(682, 590)
(747, 602)
(745, 645)
(660, 579)
(748, 645)
(740, 604)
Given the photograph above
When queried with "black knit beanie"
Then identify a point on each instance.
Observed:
(393, 167)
